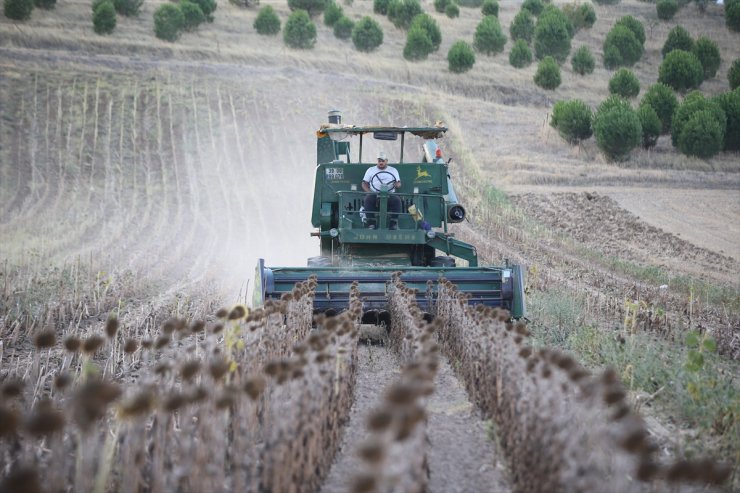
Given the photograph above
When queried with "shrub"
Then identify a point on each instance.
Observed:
(522, 27)
(678, 39)
(552, 35)
(128, 8)
(534, 7)
(300, 31)
(552, 12)
(452, 10)
(729, 102)
(624, 83)
(548, 73)
(572, 119)
(192, 14)
(104, 18)
(18, 10)
(580, 15)
(381, 6)
(617, 128)
(332, 14)
(733, 74)
(583, 61)
(402, 12)
(666, 9)
(489, 38)
(343, 28)
(607, 2)
(367, 34)
(45, 4)
(267, 22)
(441, 5)
(633, 25)
(692, 104)
(701, 136)
(418, 44)
(732, 15)
(520, 55)
(168, 22)
(621, 47)
(475, 4)
(661, 98)
(312, 7)
(427, 23)
(490, 7)
(208, 7)
(651, 125)
(708, 54)
(681, 70)
(461, 57)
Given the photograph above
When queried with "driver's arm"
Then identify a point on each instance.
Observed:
(398, 184)
(365, 186)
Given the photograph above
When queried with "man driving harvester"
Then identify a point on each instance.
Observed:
(381, 178)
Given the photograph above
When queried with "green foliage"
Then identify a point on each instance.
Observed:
(475, 4)
(692, 104)
(732, 16)
(661, 98)
(678, 39)
(461, 57)
(128, 8)
(708, 54)
(681, 70)
(621, 47)
(267, 22)
(312, 7)
(452, 10)
(300, 31)
(45, 4)
(548, 73)
(617, 128)
(208, 7)
(441, 5)
(192, 14)
(104, 17)
(427, 23)
(402, 12)
(651, 125)
(552, 35)
(733, 74)
(367, 34)
(624, 83)
(381, 6)
(343, 28)
(490, 7)
(489, 38)
(583, 61)
(418, 44)
(534, 7)
(168, 22)
(701, 136)
(552, 12)
(18, 10)
(607, 2)
(582, 16)
(729, 102)
(332, 14)
(520, 55)
(522, 27)
(666, 9)
(633, 25)
(572, 119)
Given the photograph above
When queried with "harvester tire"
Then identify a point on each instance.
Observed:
(320, 261)
(442, 261)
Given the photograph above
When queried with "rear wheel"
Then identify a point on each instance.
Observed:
(320, 261)
(442, 261)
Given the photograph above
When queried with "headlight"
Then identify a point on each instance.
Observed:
(431, 234)
(333, 232)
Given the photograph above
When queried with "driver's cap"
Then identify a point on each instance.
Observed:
(381, 155)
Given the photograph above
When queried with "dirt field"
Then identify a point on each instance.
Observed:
(156, 174)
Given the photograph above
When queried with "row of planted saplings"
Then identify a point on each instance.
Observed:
(250, 402)
(393, 457)
(561, 427)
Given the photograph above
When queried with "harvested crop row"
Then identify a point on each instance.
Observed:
(561, 428)
(251, 403)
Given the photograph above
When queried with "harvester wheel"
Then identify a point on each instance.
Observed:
(320, 261)
(442, 261)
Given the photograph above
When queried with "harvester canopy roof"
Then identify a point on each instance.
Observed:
(342, 131)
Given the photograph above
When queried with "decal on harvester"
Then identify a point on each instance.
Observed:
(335, 174)
(422, 176)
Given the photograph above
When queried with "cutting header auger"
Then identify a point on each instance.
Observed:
(415, 242)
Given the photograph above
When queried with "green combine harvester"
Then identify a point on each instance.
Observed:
(369, 246)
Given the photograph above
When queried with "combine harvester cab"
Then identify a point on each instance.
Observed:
(414, 242)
